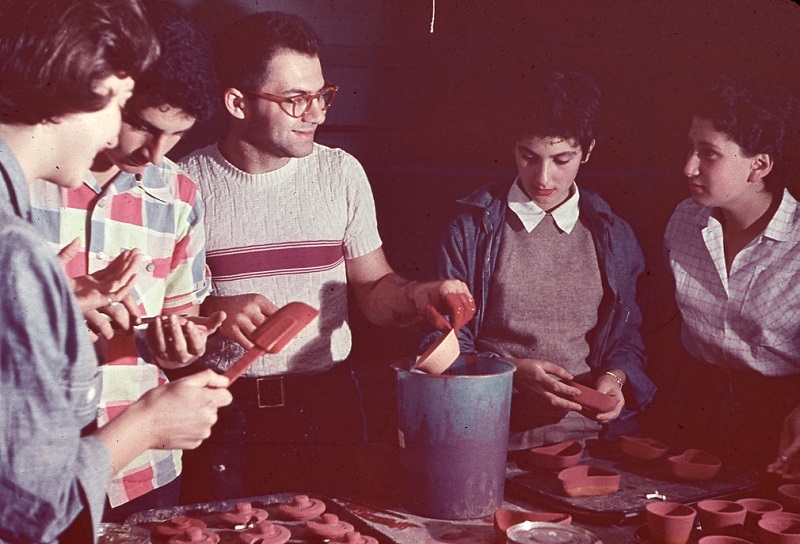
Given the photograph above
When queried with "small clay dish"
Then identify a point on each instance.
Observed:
(722, 539)
(243, 515)
(505, 518)
(195, 535)
(592, 399)
(439, 355)
(302, 508)
(178, 525)
(266, 532)
(694, 464)
(756, 508)
(551, 457)
(721, 516)
(779, 528)
(588, 481)
(790, 496)
(354, 537)
(638, 447)
(329, 527)
(670, 522)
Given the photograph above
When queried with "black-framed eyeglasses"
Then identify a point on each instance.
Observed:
(298, 105)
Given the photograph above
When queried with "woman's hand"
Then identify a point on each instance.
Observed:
(244, 313)
(611, 386)
(542, 380)
(178, 340)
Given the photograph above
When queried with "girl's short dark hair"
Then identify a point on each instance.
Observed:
(55, 53)
(565, 104)
(759, 117)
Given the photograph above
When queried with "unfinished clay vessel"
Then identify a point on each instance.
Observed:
(591, 399)
(790, 497)
(302, 508)
(195, 535)
(670, 522)
(244, 514)
(550, 457)
(722, 539)
(757, 507)
(178, 525)
(694, 464)
(638, 447)
(779, 528)
(717, 515)
(266, 532)
(354, 537)
(329, 527)
(505, 518)
(588, 481)
(440, 355)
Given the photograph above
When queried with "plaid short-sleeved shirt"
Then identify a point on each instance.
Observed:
(162, 215)
(750, 317)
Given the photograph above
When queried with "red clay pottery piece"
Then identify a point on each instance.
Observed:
(717, 515)
(439, 355)
(643, 448)
(588, 481)
(756, 508)
(551, 457)
(244, 514)
(354, 537)
(178, 525)
(195, 535)
(670, 522)
(722, 539)
(779, 528)
(592, 399)
(694, 464)
(790, 497)
(266, 533)
(302, 508)
(505, 518)
(330, 527)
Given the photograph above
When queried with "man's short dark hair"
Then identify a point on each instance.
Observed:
(55, 53)
(564, 104)
(183, 76)
(759, 117)
(244, 49)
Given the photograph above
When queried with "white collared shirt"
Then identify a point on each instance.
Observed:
(565, 215)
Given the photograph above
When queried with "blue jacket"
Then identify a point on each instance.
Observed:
(469, 252)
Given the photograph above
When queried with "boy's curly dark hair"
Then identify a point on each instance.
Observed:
(759, 117)
(183, 76)
(565, 104)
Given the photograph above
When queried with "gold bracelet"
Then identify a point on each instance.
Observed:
(619, 380)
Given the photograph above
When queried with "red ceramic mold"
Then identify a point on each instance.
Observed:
(354, 537)
(505, 518)
(329, 527)
(588, 481)
(670, 522)
(550, 457)
(694, 464)
(244, 514)
(779, 528)
(592, 399)
(266, 533)
(718, 515)
(790, 496)
(302, 508)
(756, 508)
(195, 535)
(178, 525)
(646, 449)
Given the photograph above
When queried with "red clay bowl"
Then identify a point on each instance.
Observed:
(588, 481)
(756, 508)
(779, 528)
(790, 496)
(550, 457)
(694, 465)
(670, 522)
(505, 518)
(722, 539)
(643, 448)
(720, 516)
(592, 399)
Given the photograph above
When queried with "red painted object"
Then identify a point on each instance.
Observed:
(694, 464)
(588, 481)
(329, 527)
(244, 514)
(266, 533)
(779, 528)
(178, 525)
(592, 399)
(551, 457)
(195, 535)
(718, 515)
(354, 537)
(790, 497)
(302, 508)
(670, 522)
(646, 449)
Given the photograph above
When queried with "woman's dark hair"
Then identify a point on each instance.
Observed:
(244, 49)
(760, 118)
(565, 104)
(183, 76)
(55, 53)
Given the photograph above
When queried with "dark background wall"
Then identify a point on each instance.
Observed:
(422, 110)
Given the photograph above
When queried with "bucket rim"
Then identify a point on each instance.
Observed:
(398, 367)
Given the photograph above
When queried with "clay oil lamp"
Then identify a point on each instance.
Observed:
(266, 532)
(178, 525)
(670, 522)
(591, 399)
(694, 464)
(354, 537)
(779, 528)
(645, 449)
(790, 496)
(244, 515)
(588, 481)
(195, 535)
(721, 516)
(302, 508)
(551, 457)
(505, 518)
(756, 508)
(329, 527)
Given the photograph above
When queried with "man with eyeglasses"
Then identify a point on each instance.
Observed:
(288, 219)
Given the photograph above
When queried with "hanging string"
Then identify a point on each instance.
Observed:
(433, 15)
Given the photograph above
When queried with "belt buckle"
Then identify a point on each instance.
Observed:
(270, 392)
